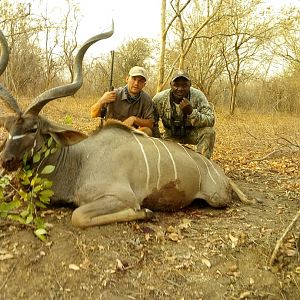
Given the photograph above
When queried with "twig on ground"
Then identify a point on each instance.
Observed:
(279, 242)
(266, 156)
(285, 139)
(251, 135)
(240, 194)
(8, 275)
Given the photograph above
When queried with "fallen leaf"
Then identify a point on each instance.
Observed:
(245, 295)
(74, 267)
(171, 229)
(234, 241)
(120, 266)
(175, 237)
(291, 252)
(6, 256)
(206, 262)
(186, 223)
(147, 236)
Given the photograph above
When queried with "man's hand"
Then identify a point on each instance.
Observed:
(107, 98)
(186, 106)
(129, 121)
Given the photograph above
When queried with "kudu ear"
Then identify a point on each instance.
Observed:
(63, 135)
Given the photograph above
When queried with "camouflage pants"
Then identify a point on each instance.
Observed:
(203, 137)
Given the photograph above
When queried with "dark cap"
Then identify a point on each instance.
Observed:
(180, 73)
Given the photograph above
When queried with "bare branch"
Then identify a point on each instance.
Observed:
(279, 242)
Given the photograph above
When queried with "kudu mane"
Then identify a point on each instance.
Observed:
(113, 123)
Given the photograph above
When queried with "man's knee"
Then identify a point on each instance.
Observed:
(210, 131)
(206, 141)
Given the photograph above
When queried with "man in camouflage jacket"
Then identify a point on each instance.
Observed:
(186, 115)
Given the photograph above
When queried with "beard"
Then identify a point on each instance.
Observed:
(177, 98)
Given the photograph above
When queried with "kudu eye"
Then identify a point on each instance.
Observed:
(32, 130)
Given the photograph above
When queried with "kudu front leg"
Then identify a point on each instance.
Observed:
(94, 214)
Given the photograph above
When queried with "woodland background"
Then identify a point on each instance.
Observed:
(240, 53)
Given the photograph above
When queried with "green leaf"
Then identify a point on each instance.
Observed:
(47, 153)
(16, 218)
(27, 167)
(39, 222)
(4, 181)
(25, 156)
(36, 157)
(47, 183)
(29, 219)
(40, 233)
(44, 199)
(27, 173)
(31, 207)
(6, 207)
(40, 204)
(3, 214)
(24, 213)
(47, 193)
(48, 169)
(25, 181)
(35, 181)
(38, 188)
(50, 140)
(24, 195)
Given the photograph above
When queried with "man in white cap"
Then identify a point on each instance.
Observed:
(129, 104)
(186, 115)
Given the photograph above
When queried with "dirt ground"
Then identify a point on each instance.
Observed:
(197, 253)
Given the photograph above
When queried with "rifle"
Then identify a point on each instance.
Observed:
(111, 87)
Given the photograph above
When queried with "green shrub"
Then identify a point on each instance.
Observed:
(25, 193)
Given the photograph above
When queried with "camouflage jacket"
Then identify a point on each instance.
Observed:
(202, 115)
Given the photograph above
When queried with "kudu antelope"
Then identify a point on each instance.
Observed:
(117, 174)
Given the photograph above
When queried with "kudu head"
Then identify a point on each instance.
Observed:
(27, 129)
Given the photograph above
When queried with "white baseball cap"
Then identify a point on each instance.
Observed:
(138, 71)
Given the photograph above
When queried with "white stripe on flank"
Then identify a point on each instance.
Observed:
(204, 160)
(15, 137)
(199, 173)
(146, 161)
(214, 168)
(158, 162)
(172, 159)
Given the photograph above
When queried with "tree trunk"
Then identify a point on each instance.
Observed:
(233, 98)
(161, 67)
